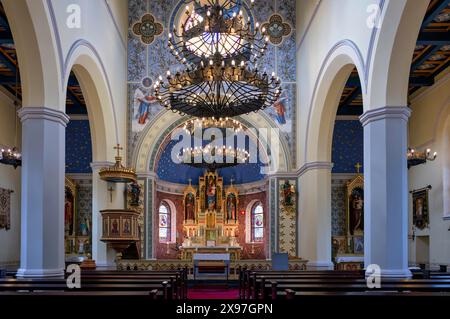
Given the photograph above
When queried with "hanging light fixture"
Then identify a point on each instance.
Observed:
(11, 155)
(217, 46)
(218, 30)
(216, 153)
(218, 90)
(417, 157)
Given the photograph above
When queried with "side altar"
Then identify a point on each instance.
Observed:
(210, 218)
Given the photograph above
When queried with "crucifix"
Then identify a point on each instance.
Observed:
(358, 167)
(118, 148)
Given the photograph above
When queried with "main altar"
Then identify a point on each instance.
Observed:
(210, 218)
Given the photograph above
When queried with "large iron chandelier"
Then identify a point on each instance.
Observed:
(217, 46)
(217, 30)
(218, 90)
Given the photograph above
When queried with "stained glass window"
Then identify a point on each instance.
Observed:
(257, 223)
(164, 223)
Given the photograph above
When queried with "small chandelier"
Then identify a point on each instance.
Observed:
(11, 157)
(213, 157)
(212, 122)
(217, 30)
(417, 158)
(218, 90)
(118, 173)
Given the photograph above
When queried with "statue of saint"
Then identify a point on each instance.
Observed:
(190, 207)
(231, 207)
(288, 193)
(135, 191)
(68, 216)
(356, 213)
(211, 193)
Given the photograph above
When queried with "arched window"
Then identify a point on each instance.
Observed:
(257, 229)
(164, 223)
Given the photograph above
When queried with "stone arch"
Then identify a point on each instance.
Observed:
(37, 53)
(151, 138)
(393, 51)
(335, 71)
(88, 68)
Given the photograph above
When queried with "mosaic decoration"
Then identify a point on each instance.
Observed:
(338, 211)
(277, 29)
(147, 29)
(5, 208)
(288, 217)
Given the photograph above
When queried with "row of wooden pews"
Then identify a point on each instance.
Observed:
(296, 284)
(167, 285)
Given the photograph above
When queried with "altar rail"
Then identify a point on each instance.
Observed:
(174, 264)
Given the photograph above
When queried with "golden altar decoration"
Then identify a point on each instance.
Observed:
(120, 228)
(210, 218)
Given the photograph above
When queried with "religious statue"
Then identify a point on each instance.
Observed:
(126, 227)
(356, 211)
(135, 191)
(190, 207)
(211, 193)
(115, 227)
(288, 192)
(231, 207)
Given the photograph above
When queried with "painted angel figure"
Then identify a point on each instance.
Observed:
(142, 101)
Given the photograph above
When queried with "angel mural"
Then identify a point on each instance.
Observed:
(144, 105)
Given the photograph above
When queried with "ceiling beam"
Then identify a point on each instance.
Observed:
(73, 98)
(434, 38)
(348, 100)
(433, 14)
(425, 56)
(3, 59)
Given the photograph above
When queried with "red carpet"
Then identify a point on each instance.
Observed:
(213, 293)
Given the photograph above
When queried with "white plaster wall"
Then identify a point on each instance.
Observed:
(103, 26)
(426, 130)
(10, 179)
(322, 25)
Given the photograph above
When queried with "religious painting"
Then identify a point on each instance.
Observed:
(420, 209)
(358, 245)
(355, 206)
(279, 114)
(115, 227)
(339, 245)
(287, 216)
(145, 105)
(105, 226)
(126, 226)
(5, 208)
(85, 226)
(69, 213)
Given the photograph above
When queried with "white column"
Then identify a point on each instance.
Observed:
(385, 190)
(43, 170)
(103, 256)
(315, 215)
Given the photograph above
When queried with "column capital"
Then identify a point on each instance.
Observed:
(43, 113)
(147, 175)
(314, 166)
(387, 112)
(100, 164)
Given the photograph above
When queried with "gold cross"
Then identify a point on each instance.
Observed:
(118, 148)
(358, 167)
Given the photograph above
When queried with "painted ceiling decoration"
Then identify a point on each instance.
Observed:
(431, 57)
(147, 29)
(277, 29)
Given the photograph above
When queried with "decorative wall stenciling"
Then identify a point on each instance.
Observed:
(154, 59)
(84, 215)
(288, 216)
(78, 147)
(338, 210)
(5, 208)
(147, 29)
(277, 29)
(348, 146)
